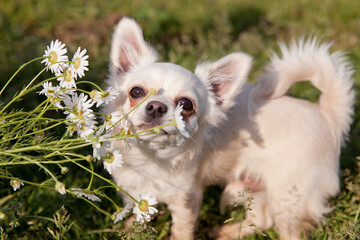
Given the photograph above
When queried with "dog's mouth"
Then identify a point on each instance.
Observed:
(147, 126)
(154, 128)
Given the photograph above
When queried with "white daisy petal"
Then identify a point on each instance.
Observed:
(180, 124)
(85, 193)
(121, 215)
(100, 146)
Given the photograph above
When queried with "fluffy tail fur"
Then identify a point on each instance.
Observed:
(330, 73)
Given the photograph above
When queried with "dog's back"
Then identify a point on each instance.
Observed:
(289, 148)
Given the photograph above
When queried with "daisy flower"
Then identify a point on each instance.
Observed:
(67, 77)
(53, 93)
(79, 114)
(104, 97)
(78, 108)
(144, 208)
(16, 184)
(114, 118)
(72, 101)
(121, 213)
(112, 160)
(179, 123)
(71, 127)
(80, 63)
(100, 145)
(85, 193)
(84, 130)
(49, 90)
(54, 54)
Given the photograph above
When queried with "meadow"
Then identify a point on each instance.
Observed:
(184, 32)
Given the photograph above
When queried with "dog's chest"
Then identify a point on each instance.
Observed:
(145, 175)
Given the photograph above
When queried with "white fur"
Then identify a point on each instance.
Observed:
(285, 149)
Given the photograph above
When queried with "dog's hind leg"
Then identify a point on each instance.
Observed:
(257, 217)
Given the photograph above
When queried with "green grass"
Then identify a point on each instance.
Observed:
(184, 32)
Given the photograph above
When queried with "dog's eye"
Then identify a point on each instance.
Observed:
(137, 92)
(186, 104)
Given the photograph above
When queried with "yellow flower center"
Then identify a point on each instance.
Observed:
(75, 108)
(122, 131)
(143, 205)
(86, 191)
(105, 94)
(72, 127)
(153, 91)
(108, 117)
(109, 157)
(93, 94)
(77, 63)
(50, 91)
(81, 117)
(67, 76)
(53, 57)
(53, 99)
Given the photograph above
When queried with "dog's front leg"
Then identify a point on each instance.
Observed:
(184, 212)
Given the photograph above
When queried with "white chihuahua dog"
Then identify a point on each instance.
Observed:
(285, 150)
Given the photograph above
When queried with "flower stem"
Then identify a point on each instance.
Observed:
(112, 201)
(20, 68)
(91, 83)
(107, 180)
(92, 176)
(94, 205)
(23, 92)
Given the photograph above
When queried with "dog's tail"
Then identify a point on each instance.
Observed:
(330, 73)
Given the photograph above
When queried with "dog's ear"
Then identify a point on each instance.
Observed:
(129, 48)
(224, 79)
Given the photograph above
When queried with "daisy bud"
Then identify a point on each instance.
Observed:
(60, 187)
(89, 158)
(16, 184)
(2, 216)
(64, 170)
(153, 91)
(157, 130)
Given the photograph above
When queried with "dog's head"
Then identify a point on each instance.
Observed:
(205, 95)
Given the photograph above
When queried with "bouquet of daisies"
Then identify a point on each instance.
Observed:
(26, 137)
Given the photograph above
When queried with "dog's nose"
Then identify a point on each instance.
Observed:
(156, 109)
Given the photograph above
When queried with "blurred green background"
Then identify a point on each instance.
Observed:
(184, 32)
